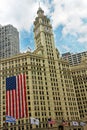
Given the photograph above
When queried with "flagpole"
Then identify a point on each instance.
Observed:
(5, 125)
(5, 121)
(48, 125)
(30, 123)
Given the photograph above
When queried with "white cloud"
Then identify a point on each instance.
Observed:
(20, 13)
(83, 39)
(66, 48)
(70, 14)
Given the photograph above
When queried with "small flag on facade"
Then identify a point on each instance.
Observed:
(65, 123)
(34, 121)
(82, 123)
(10, 119)
(75, 123)
(16, 102)
(50, 121)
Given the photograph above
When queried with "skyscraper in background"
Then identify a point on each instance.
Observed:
(74, 59)
(79, 75)
(9, 41)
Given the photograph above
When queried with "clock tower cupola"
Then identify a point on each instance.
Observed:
(43, 34)
(40, 12)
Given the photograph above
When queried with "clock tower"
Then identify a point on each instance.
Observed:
(43, 35)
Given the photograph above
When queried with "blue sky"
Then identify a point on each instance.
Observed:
(68, 18)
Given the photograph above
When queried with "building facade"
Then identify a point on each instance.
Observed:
(79, 74)
(9, 41)
(50, 88)
(74, 59)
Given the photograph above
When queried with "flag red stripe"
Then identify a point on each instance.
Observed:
(21, 94)
(14, 103)
(19, 91)
(25, 95)
(23, 105)
(24, 98)
(8, 102)
(17, 99)
(11, 103)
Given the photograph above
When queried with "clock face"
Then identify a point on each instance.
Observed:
(37, 31)
(47, 29)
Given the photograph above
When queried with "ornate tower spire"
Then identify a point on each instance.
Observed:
(40, 12)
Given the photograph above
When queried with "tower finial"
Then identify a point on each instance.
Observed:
(40, 11)
(39, 3)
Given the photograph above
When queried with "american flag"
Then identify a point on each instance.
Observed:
(65, 123)
(50, 121)
(34, 121)
(10, 119)
(16, 102)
